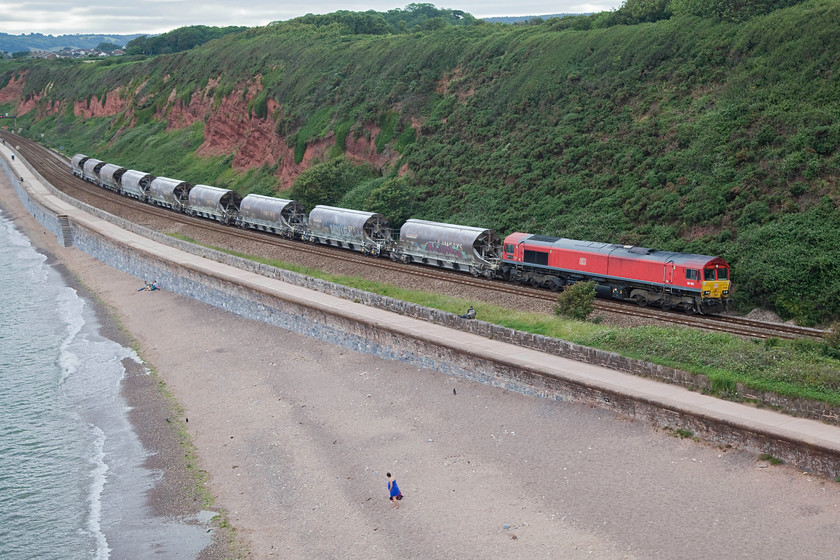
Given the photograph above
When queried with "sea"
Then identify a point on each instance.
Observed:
(72, 480)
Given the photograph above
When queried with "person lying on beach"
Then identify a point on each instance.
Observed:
(150, 287)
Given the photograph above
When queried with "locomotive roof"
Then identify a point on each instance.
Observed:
(616, 250)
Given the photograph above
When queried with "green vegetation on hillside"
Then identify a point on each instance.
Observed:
(707, 127)
(177, 40)
(415, 17)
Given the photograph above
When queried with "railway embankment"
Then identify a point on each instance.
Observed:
(470, 349)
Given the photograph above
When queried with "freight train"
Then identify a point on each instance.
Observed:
(685, 282)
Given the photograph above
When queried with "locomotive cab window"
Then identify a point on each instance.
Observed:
(691, 274)
(709, 274)
(509, 248)
(723, 273)
(536, 257)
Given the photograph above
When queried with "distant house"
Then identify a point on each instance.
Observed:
(42, 54)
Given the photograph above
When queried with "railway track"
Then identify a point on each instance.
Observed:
(55, 169)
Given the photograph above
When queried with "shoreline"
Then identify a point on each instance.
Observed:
(176, 494)
(295, 437)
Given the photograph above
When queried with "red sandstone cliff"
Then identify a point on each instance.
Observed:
(229, 126)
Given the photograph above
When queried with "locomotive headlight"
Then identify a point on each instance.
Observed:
(707, 292)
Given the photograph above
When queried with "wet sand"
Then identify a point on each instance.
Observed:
(295, 437)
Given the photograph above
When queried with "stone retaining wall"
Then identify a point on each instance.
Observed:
(372, 339)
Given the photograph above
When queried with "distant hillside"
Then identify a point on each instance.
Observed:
(39, 42)
(684, 125)
(527, 19)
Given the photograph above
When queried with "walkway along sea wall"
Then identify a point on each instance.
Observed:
(361, 335)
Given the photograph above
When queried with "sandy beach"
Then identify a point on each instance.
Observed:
(295, 437)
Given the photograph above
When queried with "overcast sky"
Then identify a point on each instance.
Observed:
(53, 17)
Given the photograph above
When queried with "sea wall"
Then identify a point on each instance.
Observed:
(363, 336)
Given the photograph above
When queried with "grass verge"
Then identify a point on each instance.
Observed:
(800, 368)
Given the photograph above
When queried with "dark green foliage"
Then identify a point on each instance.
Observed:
(352, 23)
(177, 40)
(832, 339)
(415, 17)
(832, 342)
(792, 263)
(107, 46)
(392, 199)
(328, 182)
(576, 300)
(729, 10)
(632, 12)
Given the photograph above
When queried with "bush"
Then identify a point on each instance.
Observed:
(576, 300)
(327, 182)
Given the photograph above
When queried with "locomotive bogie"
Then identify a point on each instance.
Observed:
(464, 248)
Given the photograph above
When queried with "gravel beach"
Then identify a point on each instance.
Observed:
(295, 436)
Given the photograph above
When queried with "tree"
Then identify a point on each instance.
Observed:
(641, 11)
(435, 23)
(575, 300)
(729, 10)
(107, 46)
(392, 200)
(177, 40)
(327, 182)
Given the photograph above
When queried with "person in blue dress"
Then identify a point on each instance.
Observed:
(394, 491)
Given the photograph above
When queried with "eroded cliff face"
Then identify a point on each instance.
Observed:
(13, 91)
(229, 127)
(113, 104)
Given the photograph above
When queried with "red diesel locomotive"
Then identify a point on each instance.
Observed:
(692, 283)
